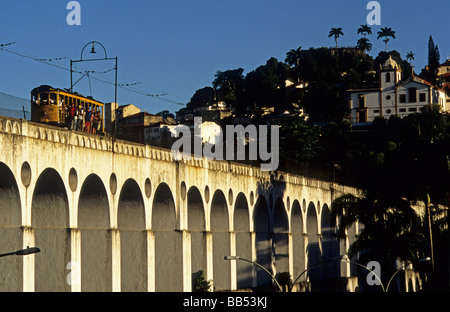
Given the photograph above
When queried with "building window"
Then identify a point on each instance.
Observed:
(361, 101)
(402, 98)
(402, 110)
(388, 97)
(388, 77)
(388, 111)
(412, 93)
(376, 111)
(422, 97)
(412, 109)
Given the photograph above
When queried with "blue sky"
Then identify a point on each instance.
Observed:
(175, 47)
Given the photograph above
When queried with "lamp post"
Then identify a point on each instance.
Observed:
(23, 252)
(106, 58)
(343, 258)
(422, 260)
(258, 265)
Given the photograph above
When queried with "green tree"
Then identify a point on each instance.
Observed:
(264, 86)
(165, 114)
(433, 60)
(293, 58)
(391, 228)
(364, 44)
(410, 57)
(385, 33)
(365, 30)
(229, 85)
(299, 140)
(202, 97)
(336, 33)
(401, 162)
(200, 283)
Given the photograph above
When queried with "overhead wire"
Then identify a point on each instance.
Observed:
(54, 62)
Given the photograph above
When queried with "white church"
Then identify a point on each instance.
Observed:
(394, 96)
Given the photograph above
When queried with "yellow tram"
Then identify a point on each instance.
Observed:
(53, 106)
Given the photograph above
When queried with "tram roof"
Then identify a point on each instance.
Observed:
(46, 88)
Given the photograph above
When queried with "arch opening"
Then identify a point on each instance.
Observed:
(197, 228)
(298, 241)
(281, 237)
(243, 242)
(50, 219)
(168, 242)
(263, 242)
(11, 269)
(221, 241)
(313, 250)
(133, 238)
(96, 240)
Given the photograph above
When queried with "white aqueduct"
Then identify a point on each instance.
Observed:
(118, 216)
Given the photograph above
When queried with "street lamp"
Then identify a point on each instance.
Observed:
(106, 58)
(343, 258)
(23, 252)
(256, 264)
(422, 260)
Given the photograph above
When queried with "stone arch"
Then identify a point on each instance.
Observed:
(16, 129)
(133, 238)
(243, 241)
(313, 252)
(281, 237)
(96, 240)
(263, 241)
(11, 269)
(197, 228)
(298, 240)
(168, 242)
(50, 220)
(8, 126)
(221, 241)
(330, 245)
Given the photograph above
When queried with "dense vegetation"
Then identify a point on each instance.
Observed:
(396, 163)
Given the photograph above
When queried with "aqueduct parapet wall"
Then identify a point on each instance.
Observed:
(119, 216)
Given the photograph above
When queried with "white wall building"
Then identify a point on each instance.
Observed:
(394, 96)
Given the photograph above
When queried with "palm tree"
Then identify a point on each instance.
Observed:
(293, 59)
(365, 30)
(410, 57)
(385, 33)
(391, 228)
(364, 44)
(336, 33)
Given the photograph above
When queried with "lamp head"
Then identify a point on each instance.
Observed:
(27, 251)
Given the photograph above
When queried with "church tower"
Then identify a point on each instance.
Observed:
(390, 77)
(390, 74)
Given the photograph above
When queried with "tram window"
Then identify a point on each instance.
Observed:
(53, 100)
(43, 98)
